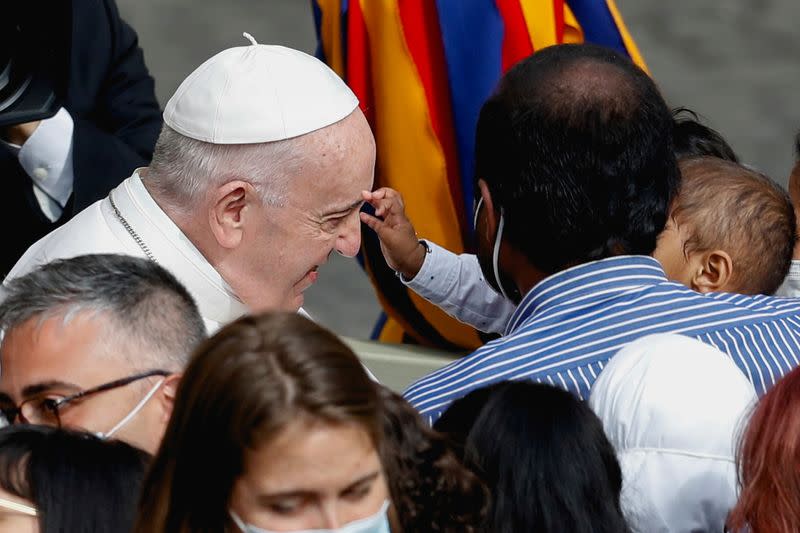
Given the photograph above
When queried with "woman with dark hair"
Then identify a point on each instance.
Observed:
(769, 463)
(54, 480)
(277, 427)
(431, 491)
(544, 456)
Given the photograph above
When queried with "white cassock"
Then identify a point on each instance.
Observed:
(98, 229)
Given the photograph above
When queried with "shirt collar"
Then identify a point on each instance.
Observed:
(174, 251)
(608, 277)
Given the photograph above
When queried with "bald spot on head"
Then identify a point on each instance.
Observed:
(581, 90)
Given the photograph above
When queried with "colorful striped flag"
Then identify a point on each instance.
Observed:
(422, 69)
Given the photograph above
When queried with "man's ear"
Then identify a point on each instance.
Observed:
(227, 211)
(715, 272)
(167, 394)
(490, 228)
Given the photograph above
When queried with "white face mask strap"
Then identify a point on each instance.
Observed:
(496, 255)
(134, 411)
(477, 210)
(18, 507)
(238, 521)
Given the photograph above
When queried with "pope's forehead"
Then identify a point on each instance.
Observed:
(351, 131)
(344, 148)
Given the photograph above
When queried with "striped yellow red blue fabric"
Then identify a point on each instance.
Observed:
(422, 69)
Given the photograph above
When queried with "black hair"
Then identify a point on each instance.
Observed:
(76, 481)
(431, 490)
(576, 149)
(694, 139)
(545, 458)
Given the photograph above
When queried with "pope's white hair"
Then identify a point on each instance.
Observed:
(183, 169)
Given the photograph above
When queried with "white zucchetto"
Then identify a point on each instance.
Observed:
(258, 93)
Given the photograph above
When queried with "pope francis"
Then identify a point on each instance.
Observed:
(256, 179)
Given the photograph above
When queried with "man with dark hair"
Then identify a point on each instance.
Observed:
(576, 174)
(96, 342)
(575, 162)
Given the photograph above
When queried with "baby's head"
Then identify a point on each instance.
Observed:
(730, 229)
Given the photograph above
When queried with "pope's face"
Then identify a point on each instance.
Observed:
(319, 216)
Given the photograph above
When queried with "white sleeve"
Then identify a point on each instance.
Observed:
(791, 285)
(47, 158)
(455, 283)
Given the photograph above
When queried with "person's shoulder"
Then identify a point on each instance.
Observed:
(103, 11)
(758, 304)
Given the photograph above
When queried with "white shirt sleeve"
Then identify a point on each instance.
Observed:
(47, 159)
(791, 285)
(455, 284)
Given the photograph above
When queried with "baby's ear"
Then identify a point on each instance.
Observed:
(715, 272)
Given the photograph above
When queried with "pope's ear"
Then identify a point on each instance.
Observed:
(226, 212)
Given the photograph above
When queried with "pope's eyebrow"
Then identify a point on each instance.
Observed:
(355, 205)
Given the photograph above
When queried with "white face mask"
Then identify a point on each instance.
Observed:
(377, 523)
(133, 412)
(496, 251)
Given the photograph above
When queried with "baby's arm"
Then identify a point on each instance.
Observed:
(452, 282)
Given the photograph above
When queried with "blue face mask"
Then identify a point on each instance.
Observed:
(377, 523)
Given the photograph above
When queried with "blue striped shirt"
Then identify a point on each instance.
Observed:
(570, 324)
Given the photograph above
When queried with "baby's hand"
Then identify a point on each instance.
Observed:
(399, 243)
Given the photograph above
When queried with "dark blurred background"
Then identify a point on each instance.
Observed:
(736, 63)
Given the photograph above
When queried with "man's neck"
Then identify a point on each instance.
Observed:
(527, 280)
(184, 221)
(178, 218)
(143, 174)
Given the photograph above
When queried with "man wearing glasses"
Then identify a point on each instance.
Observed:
(96, 342)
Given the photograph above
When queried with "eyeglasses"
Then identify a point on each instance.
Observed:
(45, 410)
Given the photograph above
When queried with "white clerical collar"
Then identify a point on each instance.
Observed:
(174, 251)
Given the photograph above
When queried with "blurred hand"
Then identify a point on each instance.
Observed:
(19, 133)
(399, 242)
